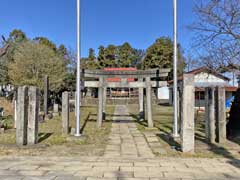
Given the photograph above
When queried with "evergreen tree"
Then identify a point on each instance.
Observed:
(160, 55)
(91, 55)
(126, 55)
(101, 56)
(91, 60)
(110, 56)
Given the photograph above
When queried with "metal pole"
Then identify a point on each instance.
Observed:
(175, 125)
(78, 115)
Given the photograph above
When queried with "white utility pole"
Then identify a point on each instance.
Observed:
(175, 79)
(78, 89)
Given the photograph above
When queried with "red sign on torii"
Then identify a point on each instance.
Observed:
(116, 79)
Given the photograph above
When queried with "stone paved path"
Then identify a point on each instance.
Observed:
(127, 157)
(125, 139)
(118, 168)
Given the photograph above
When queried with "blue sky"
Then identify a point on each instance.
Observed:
(104, 22)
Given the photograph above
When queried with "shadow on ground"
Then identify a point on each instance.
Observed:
(43, 136)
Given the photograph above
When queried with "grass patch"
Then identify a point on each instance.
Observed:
(51, 137)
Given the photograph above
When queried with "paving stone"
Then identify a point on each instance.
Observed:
(133, 168)
(51, 168)
(7, 172)
(90, 178)
(25, 167)
(3, 177)
(105, 168)
(179, 175)
(133, 178)
(60, 173)
(147, 174)
(146, 164)
(40, 178)
(163, 178)
(152, 139)
(32, 173)
(78, 168)
(160, 151)
(97, 174)
(118, 174)
(70, 178)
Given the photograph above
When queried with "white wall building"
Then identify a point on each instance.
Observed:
(204, 77)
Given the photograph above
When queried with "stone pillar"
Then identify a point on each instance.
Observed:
(179, 98)
(188, 98)
(15, 107)
(170, 96)
(75, 103)
(22, 116)
(220, 115)
(104, 102)
(178, 105)
(141, 101)
(33, 112)
(207, 128)
(46, 90)
(65, 112)
(55, 109)
(149, 102)
(100, 103)
(210, 114)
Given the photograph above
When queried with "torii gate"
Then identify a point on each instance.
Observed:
(175, 60)
(143, 78)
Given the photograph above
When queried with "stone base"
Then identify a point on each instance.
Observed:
(2, 130)
(56, 114)
(176, 138)
(72, 131)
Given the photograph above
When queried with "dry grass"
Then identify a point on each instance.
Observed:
(53, 142)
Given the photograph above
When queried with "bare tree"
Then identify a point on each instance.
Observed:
(217, 31)
(5, 46)
(191, 62)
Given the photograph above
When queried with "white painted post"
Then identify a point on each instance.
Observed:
(175, 86)
(78, 115)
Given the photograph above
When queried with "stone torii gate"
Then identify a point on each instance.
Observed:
(143, 80)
